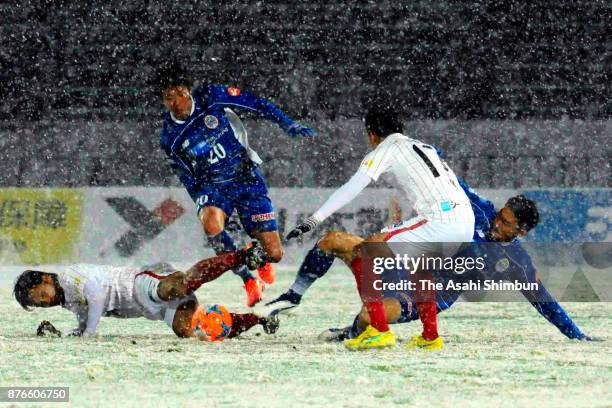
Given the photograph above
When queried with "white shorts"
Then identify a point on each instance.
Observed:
(153, 308)
(419, 236)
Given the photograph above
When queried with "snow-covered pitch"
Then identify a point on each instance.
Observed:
(496, 354)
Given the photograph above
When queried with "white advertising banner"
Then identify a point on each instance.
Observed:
(137, 225)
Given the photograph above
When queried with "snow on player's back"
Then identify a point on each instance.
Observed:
(423, 175)
(111, 284)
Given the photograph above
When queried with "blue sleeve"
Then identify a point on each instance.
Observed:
(181, 172)
(240, 100)
(185, 177)
(484, 210)
(554, 313)
(542, 300)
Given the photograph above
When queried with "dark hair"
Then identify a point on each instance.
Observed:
(383, 120)
(171, 74)
(28, 280)
(525, 211)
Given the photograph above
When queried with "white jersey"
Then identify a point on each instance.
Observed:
(91, 291)
(421, 173)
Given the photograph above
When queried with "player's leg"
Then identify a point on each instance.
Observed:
(340, 245)
(393, 311)
(210, 269)
(315, 266)
(213, 220)
(180, 319)
(422, 238)
(213, 211)
(254, 206)
(256, 213)
(377, 334)
(271, 243)
(242, 322)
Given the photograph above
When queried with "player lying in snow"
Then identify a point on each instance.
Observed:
(156, 292)
(515, 219)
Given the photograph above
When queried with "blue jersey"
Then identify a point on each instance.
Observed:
(211, 146)
(504, 261)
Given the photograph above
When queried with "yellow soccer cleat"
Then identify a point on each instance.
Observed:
(420, 342)
(371, 339)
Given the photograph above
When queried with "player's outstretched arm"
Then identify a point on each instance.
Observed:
(551, 310)
(240, 100)
(337, 200)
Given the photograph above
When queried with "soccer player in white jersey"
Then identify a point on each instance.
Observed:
(445, 220)
(156, 292)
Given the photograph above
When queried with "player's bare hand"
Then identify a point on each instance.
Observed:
(303, 228)
(46, 328)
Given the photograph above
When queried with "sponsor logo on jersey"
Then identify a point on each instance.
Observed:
(262, 217)
(211, 121)
(446, 206)
(233, 91)
(502, 264)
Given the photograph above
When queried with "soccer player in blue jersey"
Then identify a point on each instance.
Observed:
(207, 146)
(506, 260)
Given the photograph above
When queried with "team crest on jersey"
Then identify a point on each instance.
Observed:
(502, 264)
(233, 91)
(211, 121)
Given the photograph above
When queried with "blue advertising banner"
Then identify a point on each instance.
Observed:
(572, 215)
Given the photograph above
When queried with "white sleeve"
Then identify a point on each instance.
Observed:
(343, 196)
(378, 161)
(96, 297)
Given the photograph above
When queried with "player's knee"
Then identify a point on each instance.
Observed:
(329, 242)
(213, 226)
(358, 250)
(274, 254)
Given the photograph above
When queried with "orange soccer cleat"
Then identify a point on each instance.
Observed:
(267, 273)
(254, 289)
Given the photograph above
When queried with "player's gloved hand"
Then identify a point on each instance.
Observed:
(299, 130)
(303, 228)
(45, 327)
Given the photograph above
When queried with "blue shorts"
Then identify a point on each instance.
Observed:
(248, 195)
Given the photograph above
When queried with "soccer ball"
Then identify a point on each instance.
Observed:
(214, 322)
